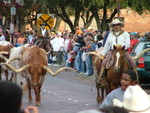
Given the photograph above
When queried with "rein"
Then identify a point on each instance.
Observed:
(121, 32)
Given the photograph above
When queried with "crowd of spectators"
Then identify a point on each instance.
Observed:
(76, 45)
(69, 49)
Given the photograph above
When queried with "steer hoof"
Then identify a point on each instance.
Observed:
(99, 101)
(30, 100)
(37, 103)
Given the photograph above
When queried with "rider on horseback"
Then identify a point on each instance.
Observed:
(116, 37)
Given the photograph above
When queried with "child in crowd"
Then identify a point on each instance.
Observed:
(70, 60)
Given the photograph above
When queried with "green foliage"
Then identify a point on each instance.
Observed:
(140, 6)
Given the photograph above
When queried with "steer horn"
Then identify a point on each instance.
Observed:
(3, 57)
(57, 72)
(94, 53)
(137, 57)
(15, 58)
(36, 43)
(48, 51)
(15, 70)
(4, 53)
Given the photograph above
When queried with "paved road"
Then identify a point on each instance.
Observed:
(66, 93)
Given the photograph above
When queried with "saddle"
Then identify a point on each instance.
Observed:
(111, 62)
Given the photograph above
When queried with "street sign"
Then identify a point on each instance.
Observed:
(11, 28)
(46, 19)
(13, 10)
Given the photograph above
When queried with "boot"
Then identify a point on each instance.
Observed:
(135, 70)
(101, 73)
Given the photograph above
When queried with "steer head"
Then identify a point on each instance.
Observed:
(36, 69)
(36, 73)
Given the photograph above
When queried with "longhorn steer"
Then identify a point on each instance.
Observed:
(33, 63)
(4, 51)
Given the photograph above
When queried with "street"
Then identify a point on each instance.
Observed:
(65, 93)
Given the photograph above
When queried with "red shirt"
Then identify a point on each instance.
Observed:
(132, 44)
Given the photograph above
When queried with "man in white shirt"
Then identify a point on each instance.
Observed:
(58, 46)
(116, 36)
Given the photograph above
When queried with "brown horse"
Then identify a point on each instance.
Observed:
(119, 64)
(44, 43)
(115, 69)
(100, 84)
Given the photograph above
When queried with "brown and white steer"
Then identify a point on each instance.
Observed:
(5, 48)
(33, 66)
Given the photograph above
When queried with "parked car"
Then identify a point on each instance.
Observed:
(143, 64)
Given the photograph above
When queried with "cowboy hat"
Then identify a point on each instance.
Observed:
(115, 22)
(135, 100)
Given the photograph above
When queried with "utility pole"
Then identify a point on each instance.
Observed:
(12, 13)
(118, 8)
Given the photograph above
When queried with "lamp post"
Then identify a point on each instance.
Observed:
(13, 4)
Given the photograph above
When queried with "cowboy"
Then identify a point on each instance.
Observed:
(116, 37)
(42, 32)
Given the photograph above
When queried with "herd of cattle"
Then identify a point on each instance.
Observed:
(27, 66)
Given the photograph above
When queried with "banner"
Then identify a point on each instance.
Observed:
(6, 2)
(20, 2)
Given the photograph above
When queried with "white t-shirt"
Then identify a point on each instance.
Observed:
(2, 38)
(66, 44)
(57, 43)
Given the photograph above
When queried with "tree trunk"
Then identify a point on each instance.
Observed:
(77, 17)
(104, 20)
(57, 25)
(88, 23)
(97, 18)
(70, 25)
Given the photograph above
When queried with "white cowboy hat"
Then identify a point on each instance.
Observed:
(116, 21)
(135, 100)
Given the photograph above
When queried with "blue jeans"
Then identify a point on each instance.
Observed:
(65, 56)
(89, 68)
(78, 64)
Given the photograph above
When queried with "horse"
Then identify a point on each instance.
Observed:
(115, 67)
(100, 84)
(114, 70)
(44, 43)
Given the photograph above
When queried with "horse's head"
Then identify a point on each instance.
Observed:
(44, 43)
(119, 58)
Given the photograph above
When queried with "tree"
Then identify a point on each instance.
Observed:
(86, 10)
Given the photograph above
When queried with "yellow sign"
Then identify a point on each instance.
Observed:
(45, 20)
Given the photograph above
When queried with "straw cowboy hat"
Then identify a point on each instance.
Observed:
(115, 22)
(135, 100)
